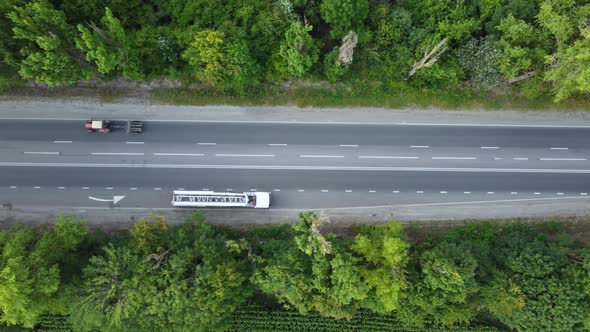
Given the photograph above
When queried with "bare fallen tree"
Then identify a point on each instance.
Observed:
(430, 58)
(347, 48)
(522, 77)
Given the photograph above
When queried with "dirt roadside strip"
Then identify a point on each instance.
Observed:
(121, 218)
(78, 110)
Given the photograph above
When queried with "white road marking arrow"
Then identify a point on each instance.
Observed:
(115, 199)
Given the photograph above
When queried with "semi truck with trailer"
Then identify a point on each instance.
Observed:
(185, 198)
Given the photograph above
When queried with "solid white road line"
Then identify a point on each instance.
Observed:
(558, 148)
(242, 155)
(117, 153)
(40, 152)
(207, 143)
(134, 142)
(454, 158)
(318, 156)
(300, 167)
(563, 159)
(348, 145)
(62, 142)
(277, 144)
(493, 201)
(489, 147)
(179, 154)
(420, 146)
(387, 157)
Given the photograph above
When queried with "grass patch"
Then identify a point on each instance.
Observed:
(362, 94)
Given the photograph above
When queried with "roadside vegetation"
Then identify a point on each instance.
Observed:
(499, 53)
(481, 276)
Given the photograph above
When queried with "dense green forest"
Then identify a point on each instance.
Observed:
(536, 48)
(197, 277)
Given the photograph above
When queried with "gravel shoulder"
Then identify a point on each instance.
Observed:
(136, 109)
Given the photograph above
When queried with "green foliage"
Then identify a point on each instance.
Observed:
(570, 68)
(385, 256)
(334, 69)
(109, 47)
(30, 275)
(344, 15)
(480, 60)
(205, 56)
(522, 47)
(49, 55)
(183, 279)
(298, 52)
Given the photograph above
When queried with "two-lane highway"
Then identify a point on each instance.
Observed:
(57, 163)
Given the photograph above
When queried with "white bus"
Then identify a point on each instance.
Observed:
(185, 198)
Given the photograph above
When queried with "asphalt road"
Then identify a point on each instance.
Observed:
(56, 163)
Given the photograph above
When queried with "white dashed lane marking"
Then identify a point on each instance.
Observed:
(489, 147)
(563, 159)
(242, 155)
(300, 190)
(387, 157)
(85, 188)
(277, 144)
(117, 153)
(372, 191)
(348, 145)
(41, 152)
(277, 190)
(324, 190)
(207, 143)
(157, 188)
(62, 142)
(520, 158)
(179, 154)
(319, 156)
(419, 146)
(12, 187)
(134, 142)
(454, 158)
(348, 191)
(558, 148)
(61, 187)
